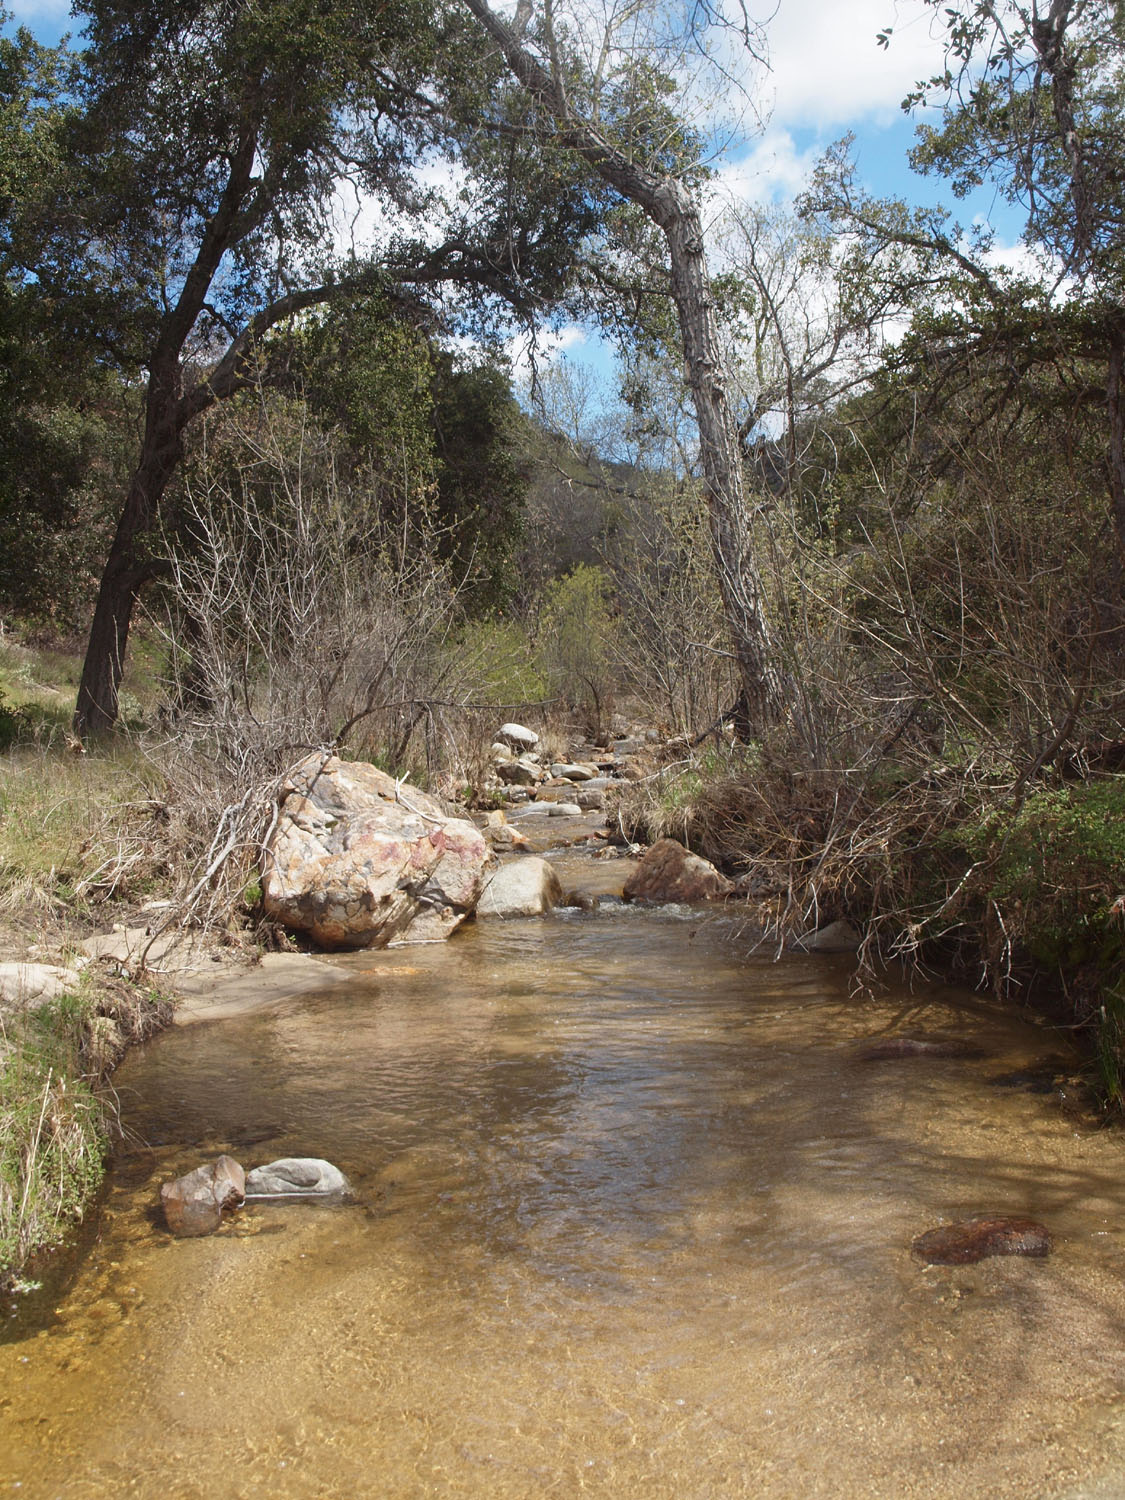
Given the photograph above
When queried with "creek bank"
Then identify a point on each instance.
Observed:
(64, 1027)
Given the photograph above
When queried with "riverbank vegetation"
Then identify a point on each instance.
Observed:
(861, 566)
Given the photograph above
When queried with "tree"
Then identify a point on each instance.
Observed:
(1032, 102)
(202, 151)
(439, 430)
(613, 114)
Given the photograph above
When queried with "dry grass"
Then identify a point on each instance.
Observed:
(75, 831)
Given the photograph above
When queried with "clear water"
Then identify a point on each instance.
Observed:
(632, 1218)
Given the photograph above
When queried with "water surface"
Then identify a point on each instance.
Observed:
(632, 1218)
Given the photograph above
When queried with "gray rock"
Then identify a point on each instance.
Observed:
(34, 984)
(564, 809)
(296, 1177)
(525, 887)
(591, 801)
(568, 771)
(518, 736)
(518, 773)
(836, 937)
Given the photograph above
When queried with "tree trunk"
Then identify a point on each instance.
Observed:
(721, 455)
(1115, 401)
(128, 566)
(669, 205)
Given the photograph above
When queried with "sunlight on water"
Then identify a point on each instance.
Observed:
(632, 1218)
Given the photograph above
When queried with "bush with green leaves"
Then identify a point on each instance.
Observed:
(577, 643)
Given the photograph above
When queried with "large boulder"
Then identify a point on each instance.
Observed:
(194, 1204)
(359, 859)
(526, 887)
(669, 872)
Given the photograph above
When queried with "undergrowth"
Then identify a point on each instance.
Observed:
(939, 866)
(55, 1118)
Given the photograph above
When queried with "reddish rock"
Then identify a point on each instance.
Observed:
(669, 872)
(359, 859)
(973, 1239)
(194, 1204)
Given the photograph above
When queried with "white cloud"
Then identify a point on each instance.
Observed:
(551, 346)
(35, 13)
(772, 171)
(827, 70)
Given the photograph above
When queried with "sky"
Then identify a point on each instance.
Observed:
(827, 76)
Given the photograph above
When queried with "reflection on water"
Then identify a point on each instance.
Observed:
(632, 1218)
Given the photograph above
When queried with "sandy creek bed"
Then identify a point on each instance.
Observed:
(631, 1219)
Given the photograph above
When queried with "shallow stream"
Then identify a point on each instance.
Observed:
(632, 1218)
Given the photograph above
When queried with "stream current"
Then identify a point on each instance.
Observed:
(632, 1217)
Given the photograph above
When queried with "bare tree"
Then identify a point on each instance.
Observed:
(581, 108)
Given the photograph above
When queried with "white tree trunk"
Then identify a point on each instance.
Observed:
(670, 206)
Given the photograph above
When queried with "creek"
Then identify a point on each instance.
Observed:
(632, 1217)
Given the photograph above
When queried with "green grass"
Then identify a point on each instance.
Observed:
(52, 1131)
(54, 1118)
(70, 825)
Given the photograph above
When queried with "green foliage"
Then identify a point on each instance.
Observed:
(367, 373)
(439, 436)
(503, 660)
(576, 642)
(1056, 867)
(12, 723)
(482, 481)
(1109, 1045)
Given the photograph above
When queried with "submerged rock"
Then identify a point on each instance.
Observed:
(526, 887)
(581, 900)
(359, 859)
(892, 1047)
(194, 1204)
(296, 1177)
(974, 1239)
(669, 872)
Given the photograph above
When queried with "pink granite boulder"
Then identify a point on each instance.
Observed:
(359, 859)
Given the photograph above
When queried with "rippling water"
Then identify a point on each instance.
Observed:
(632, 1218)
